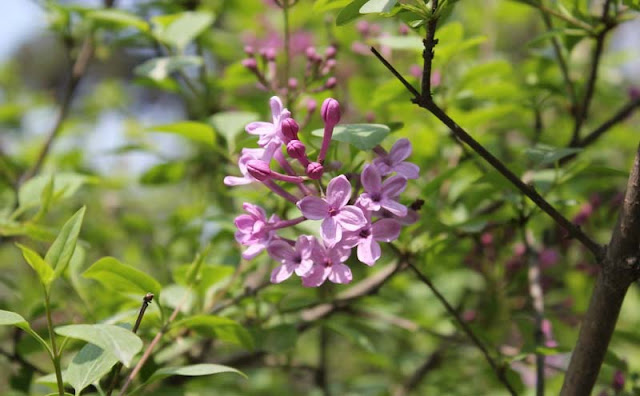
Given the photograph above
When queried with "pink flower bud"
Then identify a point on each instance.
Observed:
(634, 93)
(296, 150)
(331, 52)
(311, 52)
(259, 170)
(331, 82)
(249, 50)
(330, 111)
(270, 54)
(415, 71)
(312, 105)
(618, 381)
(403, 30)
(362, 27)
(293, 83)
(290, 129)
(315, 170)
(250, 64)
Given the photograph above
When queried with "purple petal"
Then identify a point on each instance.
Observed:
(393, 186)
(366, 202)
(281, 273)
(340, 273)
(338, 191)
(255, 211)
(281, 251)
(386, 230)
(304, 268)
(259, 128)
(368, 251)
(313, 208)
(382, 166)
(394, 207)
(371, 179)
(252, 251)
(244, 222)
(304, 245)
(407, 170)
(350, 239)
(316, 276)
(276, 107)
(331, 231)
(400, 150)
(351, 218)
(236, 181)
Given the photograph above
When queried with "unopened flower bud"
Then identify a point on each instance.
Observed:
(330, 111)
(270, 54)
(403, 30)
(250, 64)
(249, 50)
(290, 129)
(312, 105)
(311, 52)
(331, 82)
(362, 27)
(296, 150)
(331, 52)
(292, 83)
(315, 170)
(259, 170)
(618, 381)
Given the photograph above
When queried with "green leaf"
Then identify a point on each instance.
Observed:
(223, 328)
(158, 69)
(195, 370)
(545, 155)
(118, 17)
(8, 318)
(184, 28)
(120, 277)
(65, 185)
(42, 268)
(196, 131)
(362, 136)
(328, 5)
(278, 339)
(62, 249)
(170, 172)
(230, 123)
(402, 42)
(87, 367)
(120, 342)
(377, 6)
(350, 12)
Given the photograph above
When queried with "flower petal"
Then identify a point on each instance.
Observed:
(244, 222)
(369, 251)
(259, 128)
(340, 273)
(351, 218)
(338, 191)
(304, 268)
(316, 276)
(313, 208)
(254, 210)
(365, 201)
(407, 170)
(394, 207)
(371, 179)
(394, 186)
(400, 150)
(253, 250)
(281, 251)
(382, 166)
(331, 231)
(276, 107)
(386, 230)
(281, 273)
(236, 181)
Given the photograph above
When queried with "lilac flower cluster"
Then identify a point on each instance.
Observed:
(348, 222)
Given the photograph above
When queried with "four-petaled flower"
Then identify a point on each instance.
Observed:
(253, 230)
(366, 238)
(333, 210)
(295, 258)
(395, 161)
(270, 133)
(380, 194)
(328, 264)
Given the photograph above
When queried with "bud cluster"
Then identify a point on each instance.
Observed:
(282, 164)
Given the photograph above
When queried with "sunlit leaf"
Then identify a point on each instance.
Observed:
(362, 136)
(121, 277)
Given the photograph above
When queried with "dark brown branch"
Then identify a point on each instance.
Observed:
(620, 268)
(427, 53)
(498, 369)
(621, 115)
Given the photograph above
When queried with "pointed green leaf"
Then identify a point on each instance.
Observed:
(118, 17)
(184, 28)
(8, 318)
(230, 123)
(196, 131)
(362, 136)
(158, 69)
(42, 268)
(120, 342)
(89, 365)
(222, 328)
(350, 12)
(377, 6)
(120, 277)
(193, 371)
(65, 185)
(63, 247)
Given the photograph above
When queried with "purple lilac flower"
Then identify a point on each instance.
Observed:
(333, 210)
(380, 194)
(270, 133)
(367, 237)
(395, 161)
(295, 258)
(328, 264)
(247, 155)
(253, 230)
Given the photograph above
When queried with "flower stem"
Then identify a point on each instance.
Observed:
(55, 356)
(287, 51)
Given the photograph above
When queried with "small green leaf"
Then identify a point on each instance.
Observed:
(170, 172)
(118, 17)
(8, 318)
(350, 12)
(64, 245)
(193, 371)
(377, 6)
(120, 342)
(158, 69)
(545, 155)
(328, 5)
(184, 28)
(42, 268)
(223, 328)
(230, 123)
(362, 136)
(65, 185)
(87, 367)
(120, 277)
(402, 42)
(196, 131)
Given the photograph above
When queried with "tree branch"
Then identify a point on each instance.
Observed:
(427, 53)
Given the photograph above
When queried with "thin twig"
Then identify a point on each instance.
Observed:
(432, 362)
(146, 300)
(498, 369)
(427, 53)
(528, 190)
